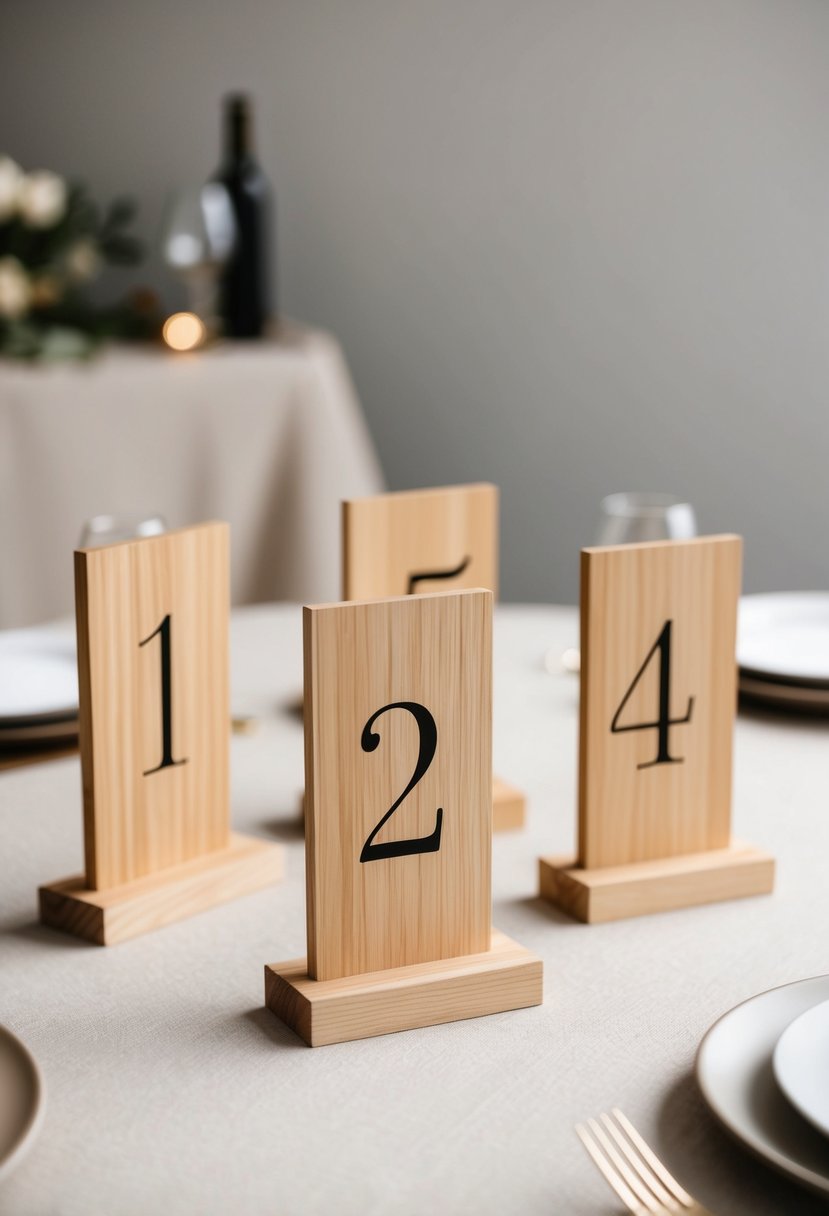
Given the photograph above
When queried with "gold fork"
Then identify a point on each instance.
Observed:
(631, 1167)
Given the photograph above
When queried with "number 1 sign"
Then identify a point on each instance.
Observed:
(658, 693)
(152, 620)
(398, 824)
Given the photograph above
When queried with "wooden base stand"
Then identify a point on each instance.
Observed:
(508, 807)
(360, 1006)
(118, 913)
(616, 892)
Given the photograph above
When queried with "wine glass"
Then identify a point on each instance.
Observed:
(109, 529)
(198, 238)
(630, 518)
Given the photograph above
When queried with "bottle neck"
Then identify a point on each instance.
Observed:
(238, 131)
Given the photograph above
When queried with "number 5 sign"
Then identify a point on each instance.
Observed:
(658, 693)
(152, 619)
(415, 541)
(412, 541)
(398, 780)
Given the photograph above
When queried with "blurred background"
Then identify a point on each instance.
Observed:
(568, 246)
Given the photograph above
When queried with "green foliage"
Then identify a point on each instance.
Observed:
(45, 312)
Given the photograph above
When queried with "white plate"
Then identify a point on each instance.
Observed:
(63, 730)
(735, 1074)
(38, 672)
(802, 697)
(21, 1101)
(785, 635)
(801, 1065)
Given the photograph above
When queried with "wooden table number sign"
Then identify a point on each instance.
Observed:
(152, 623)
(398, 785)
(418, 541)
(658, 696)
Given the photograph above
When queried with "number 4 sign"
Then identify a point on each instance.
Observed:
(658, 693)
(152, 619)
(398, 780)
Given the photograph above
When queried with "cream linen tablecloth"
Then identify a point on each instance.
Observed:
(268, 436)
(171, 1089)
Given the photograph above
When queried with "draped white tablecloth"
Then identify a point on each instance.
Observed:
(171, 1089)
(268, 436)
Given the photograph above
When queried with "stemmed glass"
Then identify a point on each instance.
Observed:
(198, 238)
(626, 519)
(631, 518)
(109, 529)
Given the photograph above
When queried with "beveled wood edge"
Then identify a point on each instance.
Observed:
(295, 998)
(107, 917)
(617, 892)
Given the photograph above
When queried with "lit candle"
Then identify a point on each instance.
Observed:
(183, 331)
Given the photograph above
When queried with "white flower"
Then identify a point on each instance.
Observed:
(15, 289)
(83, 261)
(42, 199)
(11, 176)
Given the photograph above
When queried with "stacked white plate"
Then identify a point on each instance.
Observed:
(21, 1101)
(763, 1071)
(783, 650)
(38, 686)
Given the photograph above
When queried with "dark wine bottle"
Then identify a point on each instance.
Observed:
(245, 301)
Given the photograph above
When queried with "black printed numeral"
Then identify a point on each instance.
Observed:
(167, 761)
(369, 741)
(429, 576)
(664, 721)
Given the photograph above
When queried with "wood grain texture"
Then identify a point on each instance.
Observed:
(508, 807)
(435, 650)
(389, 538)
(136, 824)
(630, 814)
(617, 892)
(503, 977)
(112, 916)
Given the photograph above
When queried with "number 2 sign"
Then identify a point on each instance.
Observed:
(398, 781)
(398, 814)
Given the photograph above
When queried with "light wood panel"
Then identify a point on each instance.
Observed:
(615, 892)
(433, 651)
(508, 806)
(138, 821)
(115, 915)
(630, 808)
(391, 541)
(505, 976)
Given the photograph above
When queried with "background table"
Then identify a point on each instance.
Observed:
(268, 436)
(171, 1089)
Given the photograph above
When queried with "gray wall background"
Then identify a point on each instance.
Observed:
(572, 246)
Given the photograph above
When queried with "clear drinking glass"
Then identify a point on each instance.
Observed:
(198, 238)
(109, 529)
(630, 518)
(626, 519)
